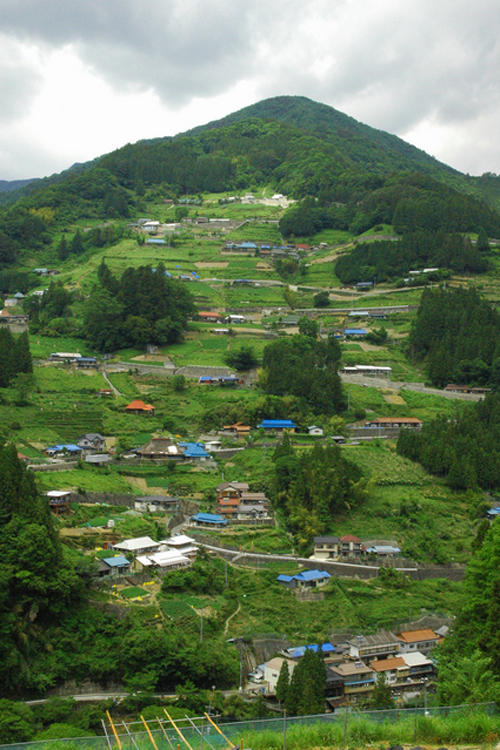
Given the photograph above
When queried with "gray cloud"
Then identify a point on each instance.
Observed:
(393, 65)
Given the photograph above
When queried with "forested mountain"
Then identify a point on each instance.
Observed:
(364, 146)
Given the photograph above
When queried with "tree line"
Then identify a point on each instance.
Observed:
(456, 334)
(464, 449)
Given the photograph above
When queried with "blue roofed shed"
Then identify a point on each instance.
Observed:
(117, 565)
(153, 241)
(355, 332)
(208, 519)
(278, 424)
(194, 450)
(306, 579)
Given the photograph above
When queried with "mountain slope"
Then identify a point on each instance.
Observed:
(374, 150)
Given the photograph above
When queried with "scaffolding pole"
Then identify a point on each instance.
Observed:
(177, 729)
(106, 734)
(118, 741)
(200, 732)
(130, 735)
(221, 733)
(149, 733)
(166, 735)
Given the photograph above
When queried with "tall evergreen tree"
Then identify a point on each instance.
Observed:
(381, 696)
(23, 361)
(283, 682)
(63, 249)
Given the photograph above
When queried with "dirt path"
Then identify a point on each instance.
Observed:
(226, 628)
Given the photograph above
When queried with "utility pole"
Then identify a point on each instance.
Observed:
(201, 625)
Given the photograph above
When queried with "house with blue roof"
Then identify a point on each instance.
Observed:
(208, 519)
(307, 579)
(298, 652)
(114, 566)
(196, 451)
(64, 449)
(355, 332)
(154, 241)
(278, 425)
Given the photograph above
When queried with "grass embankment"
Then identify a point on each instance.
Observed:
(467, 728)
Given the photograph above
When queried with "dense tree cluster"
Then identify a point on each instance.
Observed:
(458, 334)
(304, 693)
(465, 449)
(15, 356)
(303, 367)
(390, 259)
(143, 306)
(412, 203)
(311, 488)
(23, 229)
(37, 585)
(469, 660)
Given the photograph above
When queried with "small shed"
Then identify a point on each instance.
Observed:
(208, 519)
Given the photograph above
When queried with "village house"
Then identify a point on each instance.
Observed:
(156, 503)
(350, 546)
(278, 425)
(395, 670)
(395, 423)
(238, 428)
(139, 545)
(380, 645)
(356, 680)
(209, 317)
(210, 520)
(307, 579)
(315, 430)
(272, 671)
(326, 548)
(59, 501)
(87, 363)
(228, 506)
(252, 512)
(113, 567)
(231, 489)
(420, 666)
(160, 448)
(64, 451)
(139, 407)
(161, 561)
(91, 442)
(417, 640)
(181, 543)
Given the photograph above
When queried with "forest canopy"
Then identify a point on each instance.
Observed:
(465, 449)
(457, 334)
(143, 307)
(306, 368)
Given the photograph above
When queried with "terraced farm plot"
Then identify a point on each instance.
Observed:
(134, 592)
(176, 608)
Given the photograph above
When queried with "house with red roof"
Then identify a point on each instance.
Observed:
(350, 546)
(139, 407)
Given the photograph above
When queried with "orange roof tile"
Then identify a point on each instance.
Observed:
(412, 636)
(138, 405)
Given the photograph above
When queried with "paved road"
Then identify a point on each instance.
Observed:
(397, 385)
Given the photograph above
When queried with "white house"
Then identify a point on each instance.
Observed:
(314, 430)
(181, 543)
(140, 545)
(272, 671)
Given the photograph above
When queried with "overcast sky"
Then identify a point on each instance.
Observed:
(80, 78)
